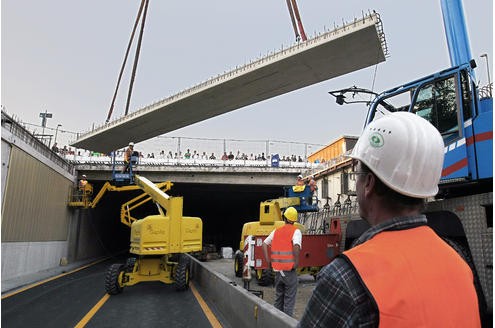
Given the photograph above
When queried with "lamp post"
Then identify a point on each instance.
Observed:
(56, 131)
(44, 116)
(487, 67)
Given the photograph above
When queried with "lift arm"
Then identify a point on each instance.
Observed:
(173, 205)
(109, 187)
(126, 208)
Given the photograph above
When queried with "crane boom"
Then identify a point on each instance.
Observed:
(456, 32)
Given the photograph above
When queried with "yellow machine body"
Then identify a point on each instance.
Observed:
(270, 218)
(158, 235)
(150, 268)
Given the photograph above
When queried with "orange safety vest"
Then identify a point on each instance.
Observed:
(82, 183)
(282, 249)
(416, 280)
(127, 154)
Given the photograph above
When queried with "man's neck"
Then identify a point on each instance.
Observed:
(381, 214)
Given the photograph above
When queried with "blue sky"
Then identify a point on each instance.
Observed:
(65, 56)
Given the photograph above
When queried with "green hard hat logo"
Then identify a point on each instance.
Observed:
(376, 140)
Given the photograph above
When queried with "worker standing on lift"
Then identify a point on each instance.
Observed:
(127, 157)
(83, 182)
(286, 245)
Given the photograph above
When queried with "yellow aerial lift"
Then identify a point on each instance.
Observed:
(159, 242)
(317, 251)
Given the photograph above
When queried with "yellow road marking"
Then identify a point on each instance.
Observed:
(50, 279)
(92, 312)
(206, 309)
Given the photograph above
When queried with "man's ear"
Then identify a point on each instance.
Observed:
(369, 184)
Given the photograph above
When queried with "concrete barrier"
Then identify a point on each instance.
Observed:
(236, 305)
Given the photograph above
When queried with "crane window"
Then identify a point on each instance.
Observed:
(436, 102)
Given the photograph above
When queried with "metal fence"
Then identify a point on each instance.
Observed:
(27, 137)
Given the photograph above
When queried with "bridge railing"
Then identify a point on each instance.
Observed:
(107, 160)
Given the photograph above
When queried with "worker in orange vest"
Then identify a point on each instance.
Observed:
(398, 273)
(285, 244)
(127, 157)
(83, 182)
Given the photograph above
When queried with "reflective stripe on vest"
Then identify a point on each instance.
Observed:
(282, 249)
(416, 280)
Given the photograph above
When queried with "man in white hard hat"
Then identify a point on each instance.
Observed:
(83, 182)
(127, 157)
(398, 273)
(300, 180)
(285, 244)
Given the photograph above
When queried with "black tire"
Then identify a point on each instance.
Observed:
(238, 264)
(181, 278)
(129, 264)
(112, 286)
(264, 277)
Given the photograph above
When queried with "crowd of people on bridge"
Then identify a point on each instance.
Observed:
(68, 151)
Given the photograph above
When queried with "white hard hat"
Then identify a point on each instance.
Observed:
(404, 151)
(299, 176)
(131, 143)
(84, 175)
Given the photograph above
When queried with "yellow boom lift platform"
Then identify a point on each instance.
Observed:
(159, 242)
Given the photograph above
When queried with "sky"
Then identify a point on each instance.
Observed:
(64, 57)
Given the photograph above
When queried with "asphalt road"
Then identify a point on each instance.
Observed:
(68, 300)
(78, 299)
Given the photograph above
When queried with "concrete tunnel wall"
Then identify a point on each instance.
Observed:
(237, 306)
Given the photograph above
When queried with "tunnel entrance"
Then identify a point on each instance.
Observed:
(224, 208)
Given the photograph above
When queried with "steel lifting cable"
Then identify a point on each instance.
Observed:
(125, 58)
(136, 57)
(291, 13)
(299, 21)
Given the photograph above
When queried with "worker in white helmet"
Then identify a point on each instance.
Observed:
(127, 157)
(398, 273)
(83, 181)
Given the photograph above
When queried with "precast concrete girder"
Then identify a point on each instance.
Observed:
(328, 55)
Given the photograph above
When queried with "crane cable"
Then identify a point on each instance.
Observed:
(291, 13)
(138, 17)
(136, 58)
(294, 12)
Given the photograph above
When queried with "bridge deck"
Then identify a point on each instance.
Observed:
(331, 54)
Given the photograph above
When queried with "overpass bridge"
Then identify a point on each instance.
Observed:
(229, 172)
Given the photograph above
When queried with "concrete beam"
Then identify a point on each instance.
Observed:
(258, 176)
(331, 54)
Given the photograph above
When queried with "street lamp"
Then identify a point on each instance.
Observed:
(487, 67)
(56, 131)
(44, 116)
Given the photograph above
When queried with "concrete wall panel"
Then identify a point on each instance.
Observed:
(25, 258)
(35, 201)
